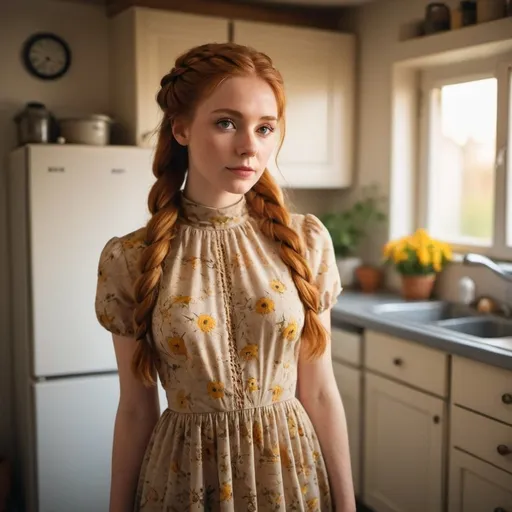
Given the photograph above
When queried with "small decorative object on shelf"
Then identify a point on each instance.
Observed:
(418, 258)
(437, 18)
(468, 9)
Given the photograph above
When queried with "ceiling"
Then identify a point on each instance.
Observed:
(313, 3)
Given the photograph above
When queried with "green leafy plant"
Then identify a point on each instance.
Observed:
(349, 227)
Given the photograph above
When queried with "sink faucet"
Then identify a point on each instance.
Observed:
(479, 259)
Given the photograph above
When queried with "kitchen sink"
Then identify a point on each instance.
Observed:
(480, 327)
(424, 312)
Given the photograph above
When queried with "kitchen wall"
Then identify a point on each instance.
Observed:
(84, 89)
(377, 26)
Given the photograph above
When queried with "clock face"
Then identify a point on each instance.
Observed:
(46, 56)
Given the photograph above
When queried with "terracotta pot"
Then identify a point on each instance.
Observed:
(418, 287)
(369, 278)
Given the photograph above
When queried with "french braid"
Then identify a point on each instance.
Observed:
(195, 74)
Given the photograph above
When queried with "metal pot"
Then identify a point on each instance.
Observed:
(34, 124)
(94, 130)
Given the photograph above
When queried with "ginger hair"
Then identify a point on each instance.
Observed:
(196, 74)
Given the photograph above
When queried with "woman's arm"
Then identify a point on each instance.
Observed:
(137, 414)
(319, 395)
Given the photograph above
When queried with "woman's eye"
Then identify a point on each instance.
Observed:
(225, 124)
(268, 129)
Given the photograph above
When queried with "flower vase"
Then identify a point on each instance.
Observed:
(417, 287)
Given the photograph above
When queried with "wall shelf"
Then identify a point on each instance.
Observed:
(473, 42)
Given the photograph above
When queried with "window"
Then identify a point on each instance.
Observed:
(462, 194)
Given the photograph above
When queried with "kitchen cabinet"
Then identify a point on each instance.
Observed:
(403, 446)
(144, 45)
(318, 68)
(346, 359)
(481, 438)
(349, 385)
(476, 486)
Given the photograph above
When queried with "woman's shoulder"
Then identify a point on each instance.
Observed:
(310, 227)
(125, 248)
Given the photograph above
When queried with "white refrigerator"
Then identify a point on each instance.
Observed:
(66, 201)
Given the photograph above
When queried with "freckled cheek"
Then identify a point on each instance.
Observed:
(266, 153)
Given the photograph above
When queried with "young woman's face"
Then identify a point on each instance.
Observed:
(233, 129)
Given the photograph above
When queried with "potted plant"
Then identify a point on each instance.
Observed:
(418, 258)
(349, 227)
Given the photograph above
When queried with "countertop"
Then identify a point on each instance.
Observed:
(355, 310)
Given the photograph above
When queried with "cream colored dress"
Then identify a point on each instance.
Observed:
(227, 324)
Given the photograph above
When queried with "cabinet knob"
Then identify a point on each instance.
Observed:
(503, 449)
(398, 361)
(506, 398)
(436, 419)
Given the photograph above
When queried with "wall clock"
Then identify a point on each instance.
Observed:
(46, 56)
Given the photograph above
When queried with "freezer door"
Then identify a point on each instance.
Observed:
(74, 434)
(79, 197)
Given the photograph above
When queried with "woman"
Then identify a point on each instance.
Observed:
(230, 307)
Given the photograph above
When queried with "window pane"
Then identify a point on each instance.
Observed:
(462, 153)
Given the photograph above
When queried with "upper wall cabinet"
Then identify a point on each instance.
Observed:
(144, 46)
(318, 72)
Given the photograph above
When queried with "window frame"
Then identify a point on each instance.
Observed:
(499, 67)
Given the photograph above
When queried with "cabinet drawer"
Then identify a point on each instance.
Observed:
(482, 388)
(422, 367)
(346, 346)
(483, 437)
(476, 486)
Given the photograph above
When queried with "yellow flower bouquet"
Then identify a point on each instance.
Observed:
(418, 258)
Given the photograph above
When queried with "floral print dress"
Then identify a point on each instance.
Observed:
(227, 325)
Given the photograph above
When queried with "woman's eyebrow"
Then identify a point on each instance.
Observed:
(236, 113)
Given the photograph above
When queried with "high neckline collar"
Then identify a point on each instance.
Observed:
(202, 216)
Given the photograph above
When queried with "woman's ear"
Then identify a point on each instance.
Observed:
(180, 132)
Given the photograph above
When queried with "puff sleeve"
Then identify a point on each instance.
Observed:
(114, 303)
(322, 261)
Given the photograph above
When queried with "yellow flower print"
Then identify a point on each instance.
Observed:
(182, 300)
(226, 492)
(216, 389)
(252, 385)
(152, 495)
(301, 432)
(193, 260)
(249, 352)
(177, 346)
(206, 323)
(292, 426)
(106, 319)
(323, 268)
(312, 505)
(257, 433)
(182, 399)
(289, 332)
(277, 392)
(277, 286)
(264, 306)
(285, 458)
(220, 220)
(304, 489)
(175, 466)
(316, 456)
